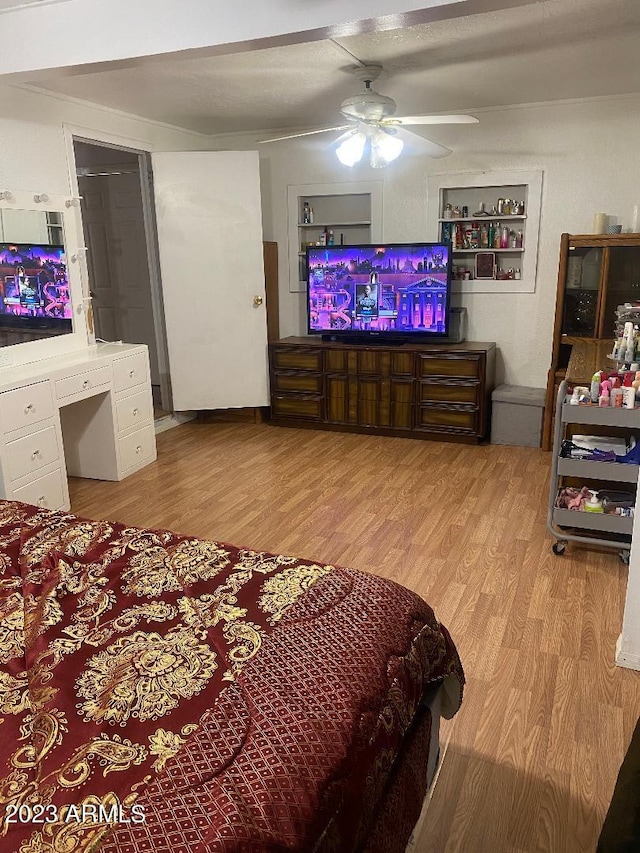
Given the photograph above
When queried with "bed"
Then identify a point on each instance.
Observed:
(160, 692)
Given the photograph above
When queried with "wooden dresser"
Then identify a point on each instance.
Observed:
(440, 391)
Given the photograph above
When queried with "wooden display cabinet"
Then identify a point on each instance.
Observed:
(596, 273)
(440, 391)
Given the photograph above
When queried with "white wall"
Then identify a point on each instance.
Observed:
(33, 154)
(589, 152)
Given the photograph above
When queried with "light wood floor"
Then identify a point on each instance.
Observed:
(547, 717)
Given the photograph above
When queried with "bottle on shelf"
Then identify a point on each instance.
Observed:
(484, 236)
(519, 239)
(497, 236)
(306, 213)
(504, 237)
(329, 237)
(491, 236)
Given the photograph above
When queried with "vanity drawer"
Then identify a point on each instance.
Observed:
(82, 382)
(310, 383)
(129, 371)
(458, 418)
(134, 410)
(297, 359)
(32, 452)
(47, 491)
(450, 392)
(25, 406)
(310, 408)
(138, 447)
(463, 367)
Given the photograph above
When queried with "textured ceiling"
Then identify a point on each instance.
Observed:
(552, 50)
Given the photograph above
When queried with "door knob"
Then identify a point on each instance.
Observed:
(257, 300)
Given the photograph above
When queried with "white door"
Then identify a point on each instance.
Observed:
(210, 243)
(114, 226)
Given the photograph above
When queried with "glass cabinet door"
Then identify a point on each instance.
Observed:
(584, 270)
(623, 283)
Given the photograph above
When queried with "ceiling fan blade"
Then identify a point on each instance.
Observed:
(454, 119)
(423, 146)
(304, 133)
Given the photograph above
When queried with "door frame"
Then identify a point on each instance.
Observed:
(74, 134)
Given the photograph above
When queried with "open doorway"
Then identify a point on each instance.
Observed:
(120, 238)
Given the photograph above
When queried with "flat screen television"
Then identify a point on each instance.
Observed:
(34, 288)
(391, 291)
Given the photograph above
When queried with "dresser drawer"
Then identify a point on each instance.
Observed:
(450, 392)
(463, 367)
(33, 451)
(297, 407)
(82, 382)
(310, 383)
(297, 359)
(129, 371)
(134, 410)
(47, 491)
(138, 447)
(25, 406)
(453, 418)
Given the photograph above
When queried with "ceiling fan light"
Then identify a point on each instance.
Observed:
(385, 148)
(351, 150)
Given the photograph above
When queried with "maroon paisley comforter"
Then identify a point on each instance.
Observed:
(164, 693)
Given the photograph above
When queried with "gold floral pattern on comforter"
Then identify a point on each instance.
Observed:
(164, 693)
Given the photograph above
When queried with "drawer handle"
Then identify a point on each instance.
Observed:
(132, 373)
(139, 449)
(134, 412)
(29, 408)
(86, 384)
(35, 454)
(42, 500)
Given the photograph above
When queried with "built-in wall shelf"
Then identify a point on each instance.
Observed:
(478, 218)
(467, 234)
(474, 251)
(334, 224)
(352, 210)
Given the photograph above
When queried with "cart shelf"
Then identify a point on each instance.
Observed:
(614, 472)
(568, 525)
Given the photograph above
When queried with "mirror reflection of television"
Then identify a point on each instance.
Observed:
(388, 291)
(34, 289)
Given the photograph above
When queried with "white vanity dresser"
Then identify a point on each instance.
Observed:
(85, 414)
(68, 406)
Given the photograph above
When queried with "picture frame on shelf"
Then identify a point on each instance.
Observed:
(485, 265)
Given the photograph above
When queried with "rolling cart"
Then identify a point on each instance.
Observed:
(565, 524)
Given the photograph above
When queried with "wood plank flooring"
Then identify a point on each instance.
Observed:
(547, 716)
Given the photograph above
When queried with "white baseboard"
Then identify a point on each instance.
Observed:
(171, 421)
(628, 660)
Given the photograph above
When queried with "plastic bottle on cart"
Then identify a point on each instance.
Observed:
(594, 504)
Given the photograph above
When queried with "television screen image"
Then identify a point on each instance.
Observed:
(34, 287)
(393, 289)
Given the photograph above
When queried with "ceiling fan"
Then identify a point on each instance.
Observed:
(373, 126)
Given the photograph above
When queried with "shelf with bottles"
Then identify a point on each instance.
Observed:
(482, 237)
(475, 251)
(496, 218)
(462, 207)
(351, 212)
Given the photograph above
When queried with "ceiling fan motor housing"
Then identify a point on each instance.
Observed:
(368, 106)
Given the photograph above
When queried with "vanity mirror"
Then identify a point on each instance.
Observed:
(42, 305)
